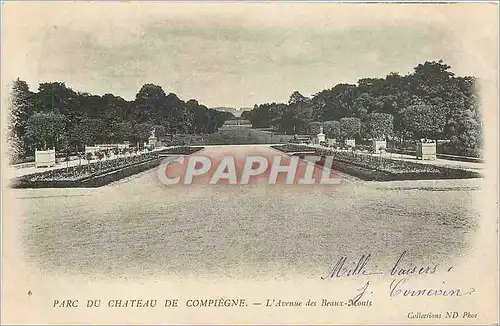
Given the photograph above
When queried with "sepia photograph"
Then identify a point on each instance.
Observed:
(289, 162)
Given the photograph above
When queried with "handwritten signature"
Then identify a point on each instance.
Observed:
(343, 268)
(401, 287)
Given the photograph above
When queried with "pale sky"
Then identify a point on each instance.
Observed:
(232, 54)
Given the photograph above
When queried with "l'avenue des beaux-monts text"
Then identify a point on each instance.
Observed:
(402, 269)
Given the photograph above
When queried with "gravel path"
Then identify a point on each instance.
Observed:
(139, 226)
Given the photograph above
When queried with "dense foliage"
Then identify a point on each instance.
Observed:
(423, 121)
(350, 127)
(379, 125)
(431, 102)
(332, 129)
(315, 127)
(57, 116)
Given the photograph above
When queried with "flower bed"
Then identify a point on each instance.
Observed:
(290, 148)
(181, 150)
(98, 173)
(80, 172)
(374, 167)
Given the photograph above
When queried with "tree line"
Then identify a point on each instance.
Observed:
(58, 117)
(431, 102)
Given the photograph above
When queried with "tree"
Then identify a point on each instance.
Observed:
(93, 106)
(108, 118)
(276, 115)
(45, 130)
(88, 132)
(314, 127)
(397, 93)
(176, 116)
(379, 125)
(423, 121)
(143, 131)
(126, 131)
(332, 129)
(245, 115)
(349, 127)
(160, 130)
(149, 104)
(297, 114)
(56, 97)
(21, 107)
(334, 103)
(431, 81)
(367, 103)
(215, 120)
(259, 116)
(468, 139)
(463, 118)
(201, 118)
(114, 110)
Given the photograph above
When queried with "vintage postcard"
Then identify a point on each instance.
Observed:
(249, 163)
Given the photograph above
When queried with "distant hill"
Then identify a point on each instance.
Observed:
(235, 111)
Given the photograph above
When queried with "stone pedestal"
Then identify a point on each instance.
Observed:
(152, 141)
(426, 150)
(350, 142)
(321, 137)
(378, 144)
(45, 158)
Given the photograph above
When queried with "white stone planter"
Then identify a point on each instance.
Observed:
(320, 137)
(332, 142)
(350, 142)
(377, 144)
(152, 141)
(426, 151)
(45, 158)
